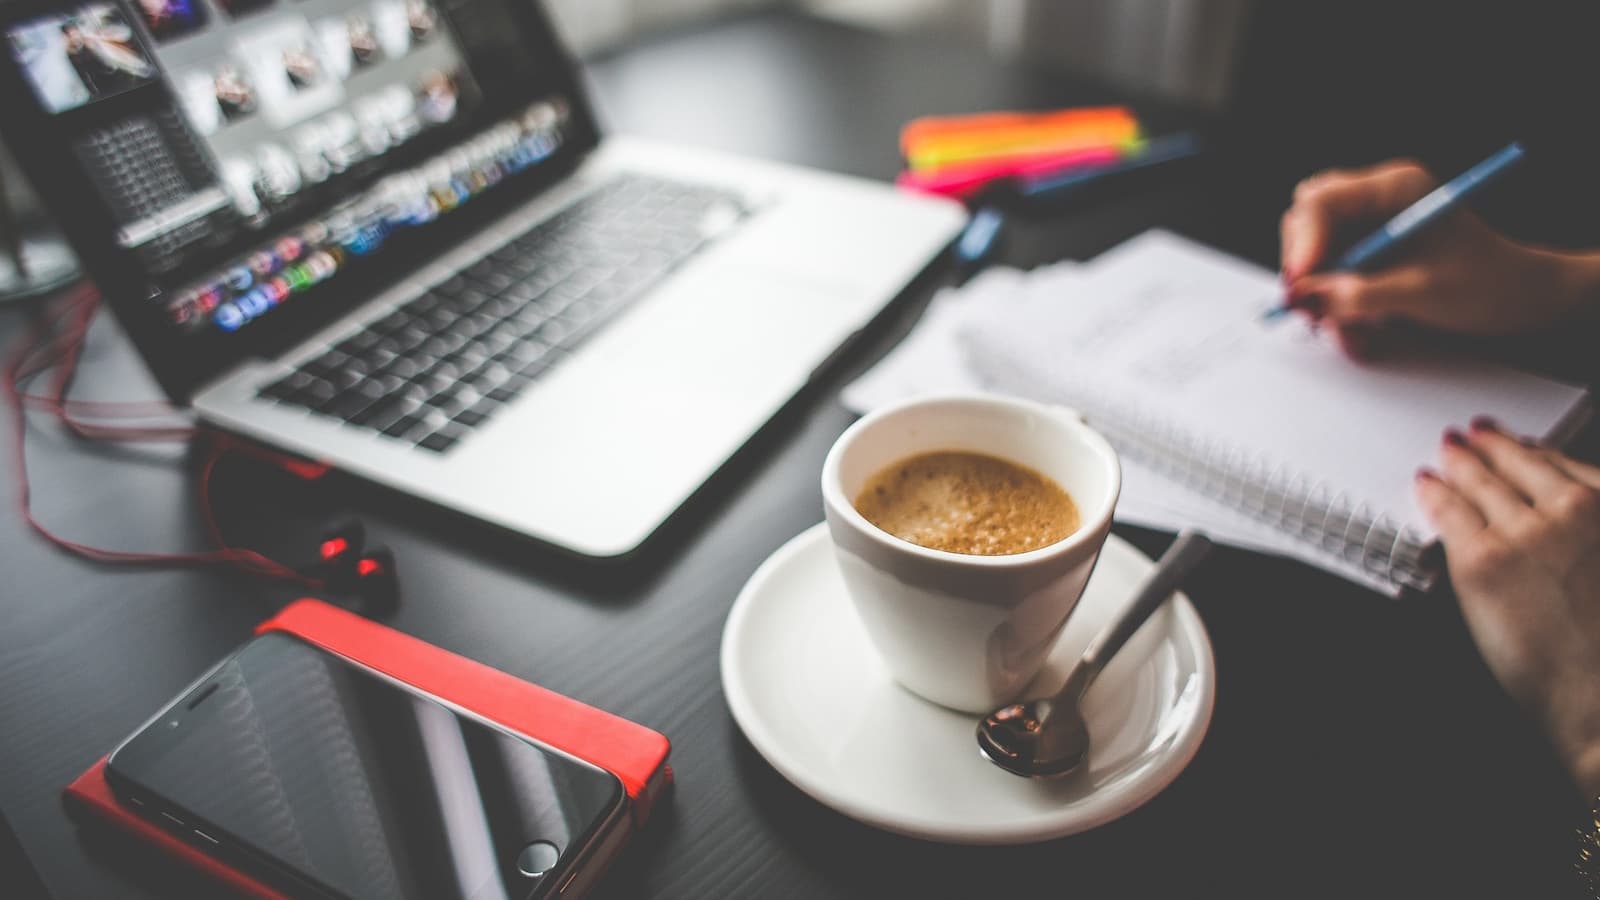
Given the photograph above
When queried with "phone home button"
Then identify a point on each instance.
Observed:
(537, 858)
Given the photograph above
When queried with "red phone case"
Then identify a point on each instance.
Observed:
(635, 754)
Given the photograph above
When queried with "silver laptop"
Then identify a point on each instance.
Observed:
(388, 235)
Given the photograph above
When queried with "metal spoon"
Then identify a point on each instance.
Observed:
(1048, 738)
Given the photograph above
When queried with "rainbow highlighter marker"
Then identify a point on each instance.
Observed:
(960, 156)
(934, 142)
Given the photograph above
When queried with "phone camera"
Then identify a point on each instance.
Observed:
(538, 858)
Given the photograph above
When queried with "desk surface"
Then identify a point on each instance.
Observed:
(1358, 746)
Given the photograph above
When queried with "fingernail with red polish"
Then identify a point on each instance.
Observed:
(1455, 437)
(1427, 474)
(1484, 423)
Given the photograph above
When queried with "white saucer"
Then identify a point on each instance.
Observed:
(811, 694)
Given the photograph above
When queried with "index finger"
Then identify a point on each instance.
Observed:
(1324, 201)
(1527, 470)
(1582, 472)
(1451, 513)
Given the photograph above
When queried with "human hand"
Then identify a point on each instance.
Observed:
(1462, 276)
(1520, 526)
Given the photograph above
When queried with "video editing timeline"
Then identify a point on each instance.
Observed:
(272, 97)
(295, 262)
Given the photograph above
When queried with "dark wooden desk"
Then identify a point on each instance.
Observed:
(1358, 746)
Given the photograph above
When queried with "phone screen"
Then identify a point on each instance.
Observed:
(361, 786)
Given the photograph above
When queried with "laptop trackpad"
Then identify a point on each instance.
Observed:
(613, 440)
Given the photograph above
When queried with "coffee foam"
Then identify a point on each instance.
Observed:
(970, 503)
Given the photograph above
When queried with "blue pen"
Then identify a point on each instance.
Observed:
(1379, 247)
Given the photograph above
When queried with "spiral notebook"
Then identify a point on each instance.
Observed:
(1160, 344)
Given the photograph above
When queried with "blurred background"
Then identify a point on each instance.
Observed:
(1293, 87)
(1179, 48)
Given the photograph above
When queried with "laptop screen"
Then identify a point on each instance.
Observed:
(248, 155)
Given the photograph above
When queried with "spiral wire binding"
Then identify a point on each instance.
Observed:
(1268, 491)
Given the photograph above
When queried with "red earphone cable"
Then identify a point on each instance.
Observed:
(50, 347)
(62, 354)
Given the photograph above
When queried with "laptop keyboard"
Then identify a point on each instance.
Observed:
(440, 365)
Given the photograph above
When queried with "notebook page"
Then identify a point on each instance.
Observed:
(1169, 332)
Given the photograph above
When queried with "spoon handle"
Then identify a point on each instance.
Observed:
(1175, 565)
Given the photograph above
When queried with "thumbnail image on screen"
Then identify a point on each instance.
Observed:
(81, 56)
(422, 20)
(363, 40)
(337, 39)
(234, 93)
(215, 96)
(168, 19)
(436, 97)
(301, 64)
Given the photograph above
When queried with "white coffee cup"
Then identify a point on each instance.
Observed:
(967, 631)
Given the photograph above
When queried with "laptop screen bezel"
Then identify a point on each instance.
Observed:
(183, 363)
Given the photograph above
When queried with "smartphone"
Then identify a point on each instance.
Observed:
(323, 777)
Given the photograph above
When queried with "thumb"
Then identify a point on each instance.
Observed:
(1326, 201)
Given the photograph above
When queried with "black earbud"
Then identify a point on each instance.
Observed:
(377, 584)
(363, 577)
(342, 541)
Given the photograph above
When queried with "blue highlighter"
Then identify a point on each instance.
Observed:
(1378, 248)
